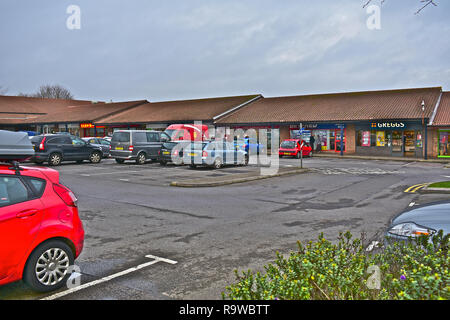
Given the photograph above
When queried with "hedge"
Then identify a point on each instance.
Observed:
(346, 271)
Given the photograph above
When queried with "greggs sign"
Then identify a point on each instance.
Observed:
(388, 125)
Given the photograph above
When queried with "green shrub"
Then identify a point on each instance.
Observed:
(323, 270)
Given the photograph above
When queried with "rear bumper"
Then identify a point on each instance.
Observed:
(124, 155)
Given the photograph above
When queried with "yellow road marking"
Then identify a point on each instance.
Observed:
(414, 188)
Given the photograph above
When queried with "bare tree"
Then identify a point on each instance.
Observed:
(425, 3)
(50, 92)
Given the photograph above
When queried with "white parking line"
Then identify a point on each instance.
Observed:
(104, 173)
(111, 277)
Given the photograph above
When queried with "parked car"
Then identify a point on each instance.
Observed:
(56, 148)
(190, 132)
(170, 148)
(103, 144)
(137, 145)
(421, 220)
(213, 153)
(292, 148)
(249, 145)
(41, 233)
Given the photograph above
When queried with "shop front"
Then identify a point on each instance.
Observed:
(390, 138)
(327, 137)
(444, 143)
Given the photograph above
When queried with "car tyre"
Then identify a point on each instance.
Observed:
(120, 161)
(141, 158)
(217, 163)
(48, 266)
(55, 159)
(95, 157)
(163, 162)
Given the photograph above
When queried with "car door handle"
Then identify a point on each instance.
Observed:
(26, 213)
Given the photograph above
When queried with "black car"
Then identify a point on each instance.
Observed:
(170, 148)
(103, 144)
(55, 148)
(137, 145)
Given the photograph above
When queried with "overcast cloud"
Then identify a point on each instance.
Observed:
(179, 49)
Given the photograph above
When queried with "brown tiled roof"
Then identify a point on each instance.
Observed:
(86, 113)
(369, 105)
(442, 117)
(177, 111)
(16, 104)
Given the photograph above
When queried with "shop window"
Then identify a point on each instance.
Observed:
(444, 144)
(363, 138)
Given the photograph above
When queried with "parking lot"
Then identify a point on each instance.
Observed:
(148, 240)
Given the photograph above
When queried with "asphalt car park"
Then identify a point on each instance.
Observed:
(131, 213)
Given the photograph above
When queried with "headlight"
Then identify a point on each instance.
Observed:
(410, 229)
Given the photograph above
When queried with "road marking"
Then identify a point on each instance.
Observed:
(415, 188)
(111, 277)
(372, 246)
(104, 173)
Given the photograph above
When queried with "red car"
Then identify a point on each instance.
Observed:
(292, 147)
(41, 233)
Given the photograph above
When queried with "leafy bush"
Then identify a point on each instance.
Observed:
(323, 270)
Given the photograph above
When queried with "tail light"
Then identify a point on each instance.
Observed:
(65, 194)
(204, 154)
(41, 145)
(130, 148)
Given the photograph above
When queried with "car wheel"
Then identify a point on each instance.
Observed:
(120, 161)
(217, 163)
(141, 158)
(48, 267)
(54, 159)
(163, 162)
(95, 157)
(193, 166)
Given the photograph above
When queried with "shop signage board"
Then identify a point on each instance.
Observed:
(388, 125)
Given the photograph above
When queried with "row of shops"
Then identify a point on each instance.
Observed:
(413, 123)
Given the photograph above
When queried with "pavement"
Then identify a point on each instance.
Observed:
(360, 157)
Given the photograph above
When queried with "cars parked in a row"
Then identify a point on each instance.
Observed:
(143, 145)
(41, 233)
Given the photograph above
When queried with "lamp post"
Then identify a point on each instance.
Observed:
(425, 142)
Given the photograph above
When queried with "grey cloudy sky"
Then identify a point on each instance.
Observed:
(181, 49)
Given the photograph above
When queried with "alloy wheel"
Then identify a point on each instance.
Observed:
(52, 266)
(95, 157)
(55, 159)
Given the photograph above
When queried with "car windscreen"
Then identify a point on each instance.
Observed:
(288, 144)
(169, 132)
(121, 137)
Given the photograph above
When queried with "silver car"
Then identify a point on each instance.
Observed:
(214, 154)
(422, 220)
